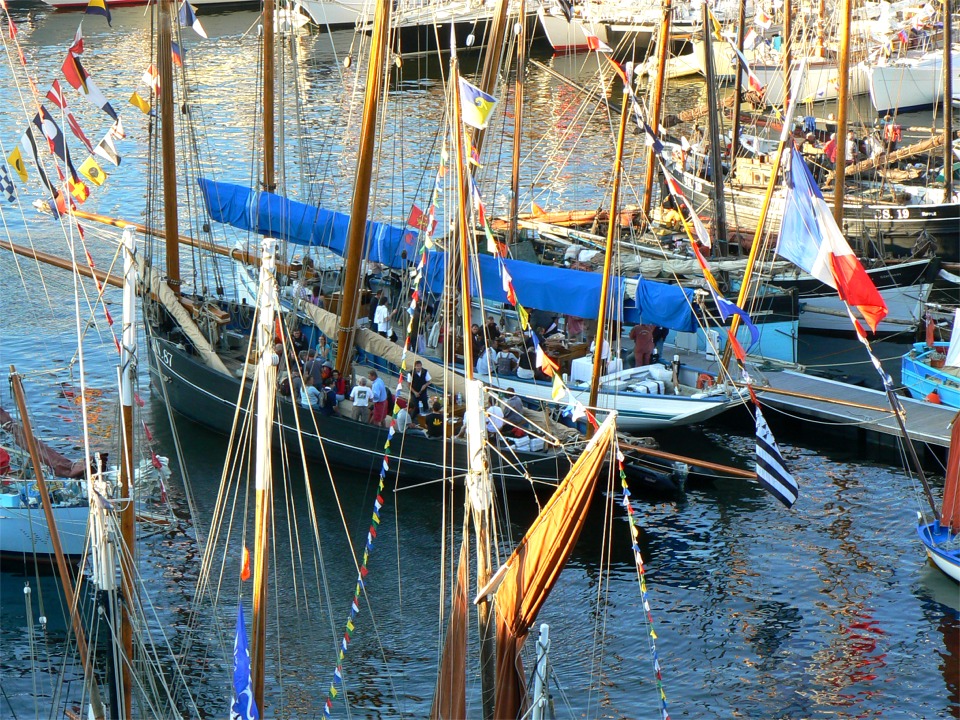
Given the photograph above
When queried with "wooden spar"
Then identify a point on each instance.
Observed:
(612, 230)
(62, 263)
(705, 464)
(663, 52)
(517, 122)
(269, 95)
(232, 253)
(481, 515)
(821, 28)
(168, 144)
(356, 231)
(787, 49)
(947, 103)
(128, 355)
(894, 157)
(807, 396)
(491, 61)
(738, 87)
(66, 579)
(713, 126)
(843, 99)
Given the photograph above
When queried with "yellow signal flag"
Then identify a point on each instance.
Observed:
(16, 160)
(139, 103)
(93, 172)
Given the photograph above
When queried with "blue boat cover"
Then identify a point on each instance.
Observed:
(559, 290)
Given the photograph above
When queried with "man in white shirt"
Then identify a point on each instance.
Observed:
(360, 396)
(494, 418)
(382, 317)
(487, 360)
(604, 354)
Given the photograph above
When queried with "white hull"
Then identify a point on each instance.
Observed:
(904, 305)
(821, 81)
(329, 13)
(951, 569)
(910, 82)
(24, 530)
(77, 4)
(567, 37)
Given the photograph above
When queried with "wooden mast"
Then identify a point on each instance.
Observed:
(168, 145)
(947, 103)
(517, 122)
(350, 302)
(478, 484)
(491, 60)
(843, 70)
(66, 579)
(613, 227)
(663, 51)
(269, 95)
(738, 85)
(713, 126)
(787, 49)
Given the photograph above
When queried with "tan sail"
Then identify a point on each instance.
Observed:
(450, 694)
(950, 515)
(533, 568)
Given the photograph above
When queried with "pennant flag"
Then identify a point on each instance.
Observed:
(771, 470)
(79, 80)
(28, 144)
(596, 44)
(99, 7)
(188, 18)
(79, 190)
(93, 172)
(810, 239)
(177, 54)
(652, 140)
(558, 387)
(245, 569)
(476, 105)
(16, 160)
(77, 47)
(116, 130)
(717, 30)
(151, 78)
(750, 41)
(544, 361)
(537, 210)
(508, 288)
(243, 707)
(728, 308)
(7, 188)
(56, 96)
(107, 150)
(139, 103)
(752, 80)
(524, 317)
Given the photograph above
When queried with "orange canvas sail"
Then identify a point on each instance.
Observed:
(450, 695)
(950, 515)
(535, 565)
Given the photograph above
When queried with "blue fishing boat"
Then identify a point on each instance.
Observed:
(931, 370)
(941, 538)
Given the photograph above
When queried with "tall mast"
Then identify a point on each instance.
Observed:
(491, 60)
(716, 164)
(269, 91)
(356, 231)
(839, 174)
(947, 104)
(663, 51)
(741, 29)
(613, 227)
(518, 121)
(128, 356)
(168, 145)
(66, 579)
(787, 49)
(266, 395)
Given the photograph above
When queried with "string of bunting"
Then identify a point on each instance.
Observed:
(426, 231)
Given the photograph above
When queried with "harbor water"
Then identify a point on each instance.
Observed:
(825, 610)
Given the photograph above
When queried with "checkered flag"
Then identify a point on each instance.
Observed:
(7, 188)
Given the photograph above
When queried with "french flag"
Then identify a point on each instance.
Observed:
(810, 239)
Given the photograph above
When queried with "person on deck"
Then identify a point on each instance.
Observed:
(340, 385)
(328, 406)
(323, 349)
(526, 364)
(494, 419)
(488, 359)
(434, 420)
(316, 297)
(477, 340)
(382, 319)
(643, 345)
(659, 337)
(361, 397)
(507, 362)
(830, 152)
(310, 397)
(378, 398)
(298, 341)
(492, 329)
(419, 381)
(514, 412)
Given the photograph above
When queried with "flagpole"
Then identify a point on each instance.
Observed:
(168, 143)
(517, 123)
(741, 28)
(663, 50)
(947, 104)
(843, 93)
(613, 227)
(269, 97)
(713, 119)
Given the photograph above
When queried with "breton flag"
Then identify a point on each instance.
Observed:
(243, 707)
(810, 239)
(188, 18)
(771, 470)
(79, 80)
(99, 7)
(476, 105)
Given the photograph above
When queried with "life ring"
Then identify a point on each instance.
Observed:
(704, 381)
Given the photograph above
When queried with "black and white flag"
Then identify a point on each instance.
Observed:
(771, 469)
(8, 190)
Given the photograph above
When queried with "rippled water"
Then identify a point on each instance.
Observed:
(828, 610)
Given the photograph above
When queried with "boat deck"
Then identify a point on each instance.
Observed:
(808, 396)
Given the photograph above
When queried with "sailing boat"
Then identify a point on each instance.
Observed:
(941, 538)
(931, 370)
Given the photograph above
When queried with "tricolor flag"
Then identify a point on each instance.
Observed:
(177, 53)
(56, 96)
(188, 18)
(595, 44)
(243, 706)
(544, 361)
(771, 469)
(810, 239)
(475, 105)
(79, 80)
(99, 7)
(752, 80)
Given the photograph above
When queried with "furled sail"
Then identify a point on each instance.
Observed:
(950, 515)
(544, 287)
(535, 566)
(61, 465)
